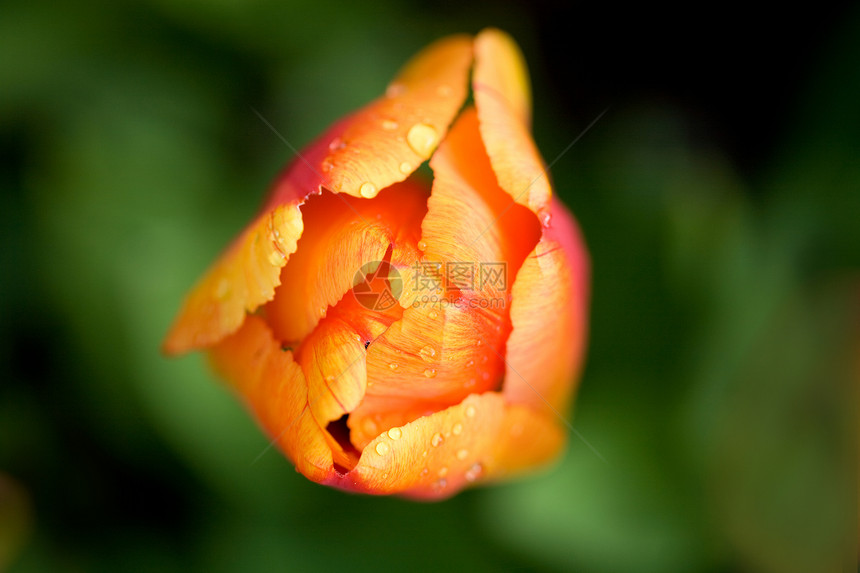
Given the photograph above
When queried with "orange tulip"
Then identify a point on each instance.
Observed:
(393, 337)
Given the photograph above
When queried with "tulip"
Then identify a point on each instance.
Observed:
(394, 337)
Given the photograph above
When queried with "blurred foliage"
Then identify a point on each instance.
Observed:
(725, 296)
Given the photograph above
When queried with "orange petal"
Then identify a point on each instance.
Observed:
(244, 277)
(368, 151)
(433, 457)
(384, 142)
(450, 341)
(274, 387)
(341, 235)
(501, 89)
(379, 413)
(549, 314)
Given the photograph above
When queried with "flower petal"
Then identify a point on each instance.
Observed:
(384, 142)
(433, 457)
(450, 341)
(502, 95)
(274, 387)
(360, 155)
(549, 314)
(244, 277)
(341, 235)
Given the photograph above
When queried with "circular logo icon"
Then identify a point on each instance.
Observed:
(377, 285)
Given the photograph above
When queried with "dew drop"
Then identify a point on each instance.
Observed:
(223, 289)
(436, 439)
(425, 471)
(395, 433)
(323, 311)
(485, 376)
(470, 383)
(470, 411)
(441, 484)
(422, 245)
(336, 144)
(457, 429)
(394, 90)
(276, 257)
(461, 454)
(326, 165)
(382, 448)
(545, 218)
(422, 138)
(394, 366)
(389, 124)
(427, 353)
(470, 363)
(405, 167)
(367, 190)
(433, 314)
(430, 373)
(474, 472)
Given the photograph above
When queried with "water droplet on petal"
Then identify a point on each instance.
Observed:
(441, 484)
(336, 144)
(394, 90)
(470, 363)
(395, 433)
(443, 471)
(405, 167)
(422, 138)
(326, 165)
(394, 366)
(433, 314)
(457, 429)
(425, 471)
(382, 448)
(545, 218)
(430, 373)
(427, 353)
(461, 454)
(474, 472)
(389, 124)
(470, 383)
(470, 411)
(223, 289)
(367, 190)
(422, 245)
(436, 439)
(276, 257)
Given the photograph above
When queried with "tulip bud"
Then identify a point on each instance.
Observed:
(394, 336)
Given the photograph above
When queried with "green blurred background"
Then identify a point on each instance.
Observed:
(719, 195)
